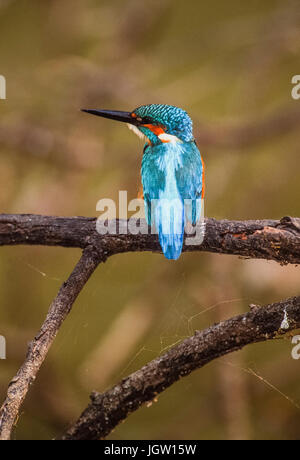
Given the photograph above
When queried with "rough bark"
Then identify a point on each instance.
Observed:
(107, 410)
(266, 239)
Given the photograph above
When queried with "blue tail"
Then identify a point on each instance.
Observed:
(169, 222)
(171, 245)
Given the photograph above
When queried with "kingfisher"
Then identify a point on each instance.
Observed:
(172, 170)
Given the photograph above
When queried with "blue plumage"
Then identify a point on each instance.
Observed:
(172, 170)
(172, 175)
(172, 184)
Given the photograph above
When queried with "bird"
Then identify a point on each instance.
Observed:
(172, 170)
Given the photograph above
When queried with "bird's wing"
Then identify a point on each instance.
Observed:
(190, 181)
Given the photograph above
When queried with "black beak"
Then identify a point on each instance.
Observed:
(114, 115)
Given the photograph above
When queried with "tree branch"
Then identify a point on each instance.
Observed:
(39, 347)
(264, 239)
(107, 410)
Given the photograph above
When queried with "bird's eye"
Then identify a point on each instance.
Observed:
(134, 115)
(147, 120)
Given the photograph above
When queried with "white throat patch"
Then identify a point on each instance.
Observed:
(164, 137)
(137, 132)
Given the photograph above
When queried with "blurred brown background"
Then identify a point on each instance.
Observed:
(229, 64)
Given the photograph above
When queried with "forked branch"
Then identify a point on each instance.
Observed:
(266, 239)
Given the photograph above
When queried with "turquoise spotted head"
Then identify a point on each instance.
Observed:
(160, 123)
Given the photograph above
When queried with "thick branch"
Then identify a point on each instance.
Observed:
(39, 347)
(265, 239)
(107, 410)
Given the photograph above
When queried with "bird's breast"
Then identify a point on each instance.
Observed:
(159, 167)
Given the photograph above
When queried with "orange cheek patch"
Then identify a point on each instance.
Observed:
(157, 130)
